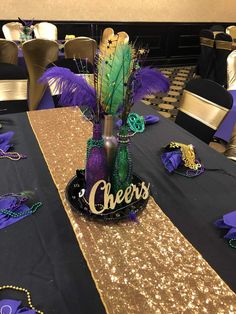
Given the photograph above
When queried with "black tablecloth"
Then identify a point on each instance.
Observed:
(192, 204)
(41, 253)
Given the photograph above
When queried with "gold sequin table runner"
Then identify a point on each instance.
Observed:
(146, 267)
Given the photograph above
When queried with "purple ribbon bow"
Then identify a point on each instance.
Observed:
(228, 222)
(13, 307)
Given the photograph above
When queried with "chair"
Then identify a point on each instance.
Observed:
(231, 71)
(223, 46)
(81, 48)
(216, 29)
(205, 67)
(45, 30)
(231, 30)
(109, 40)
(230, 151)
(12, 30)
(203, 106)
(38, 53)
(13, 89)
(8, 51)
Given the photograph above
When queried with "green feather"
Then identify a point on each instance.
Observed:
(113, 73)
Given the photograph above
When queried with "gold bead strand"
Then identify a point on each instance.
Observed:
(27, 294)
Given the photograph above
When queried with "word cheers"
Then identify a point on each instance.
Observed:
(111, 200)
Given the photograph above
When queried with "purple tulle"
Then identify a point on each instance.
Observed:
(148, 81)
(8, 306)
(5, 139)
(228, 222)
(172, 160)
(13, 203)
(74, 89)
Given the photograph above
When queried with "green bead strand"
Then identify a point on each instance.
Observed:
(12, 214)
(232, 245)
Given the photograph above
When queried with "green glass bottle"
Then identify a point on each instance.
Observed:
(122, 172)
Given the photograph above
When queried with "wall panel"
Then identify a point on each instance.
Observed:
(121, 10)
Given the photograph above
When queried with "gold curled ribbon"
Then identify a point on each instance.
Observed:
(188, 155)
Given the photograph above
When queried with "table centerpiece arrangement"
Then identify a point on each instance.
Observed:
(107, 188)
(26, 30)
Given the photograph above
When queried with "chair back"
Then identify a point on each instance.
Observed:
(203, 106)
(231, 71)
(12, 30)
(223, 44)
(8, 51)
(81, 48)
(38, 53)
(216, 29)
(231, 30)
(205, 67)
(45, 30)
(109, 40)
(230, 151)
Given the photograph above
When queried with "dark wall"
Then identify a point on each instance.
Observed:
(169, 43)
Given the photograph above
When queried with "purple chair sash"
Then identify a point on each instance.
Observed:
(225, 129)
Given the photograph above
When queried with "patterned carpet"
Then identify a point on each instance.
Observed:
(167, 103)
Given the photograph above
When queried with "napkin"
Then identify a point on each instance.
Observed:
(228, 222)
(5, 139)
(8, 306)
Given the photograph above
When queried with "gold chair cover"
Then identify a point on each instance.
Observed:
(38, 53)
(231, 71)
(45, 30)
(12, 30)
(203, 110)
(230, 151)
(231, 30)
(109, 40)
(81, 48)
(8, 51)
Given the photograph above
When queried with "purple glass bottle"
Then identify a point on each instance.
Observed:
(96, 163)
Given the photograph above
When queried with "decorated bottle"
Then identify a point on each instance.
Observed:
(96, 163)
(122, 172)
(110, 142)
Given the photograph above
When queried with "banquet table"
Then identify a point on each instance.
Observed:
(57, 254)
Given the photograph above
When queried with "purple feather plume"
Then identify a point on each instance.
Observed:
(148, 81)
(27, 23)
(74, 89)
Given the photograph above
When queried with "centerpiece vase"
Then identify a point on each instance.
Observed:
(110, 142)
(122, 172)
(96, 163)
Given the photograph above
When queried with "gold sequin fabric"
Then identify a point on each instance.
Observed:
(146, 267)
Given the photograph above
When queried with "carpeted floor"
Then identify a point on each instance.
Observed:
(167, 104)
